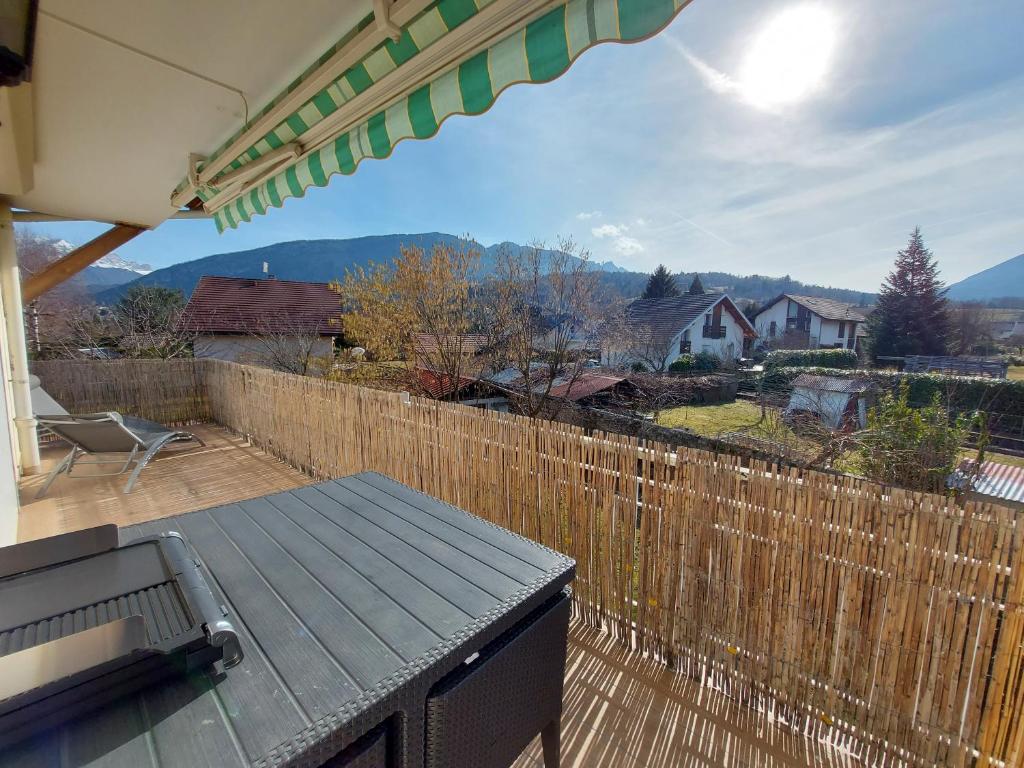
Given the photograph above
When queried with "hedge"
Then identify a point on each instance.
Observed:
(964, 394)
(812, 358)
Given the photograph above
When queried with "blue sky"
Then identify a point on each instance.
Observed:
(654, 153)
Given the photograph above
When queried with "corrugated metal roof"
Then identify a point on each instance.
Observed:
(245, 305)
(830, 383)
(1000, 481)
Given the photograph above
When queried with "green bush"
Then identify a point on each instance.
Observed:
(915, 448)
(702, 362)
(812, 358)
(638, 367)
(961, 394)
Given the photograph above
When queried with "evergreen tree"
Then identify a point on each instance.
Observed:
(696, 287)
(912, 316)
(660, 285)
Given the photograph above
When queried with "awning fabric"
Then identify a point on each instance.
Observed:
(541, 51)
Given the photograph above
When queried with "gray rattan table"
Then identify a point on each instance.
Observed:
(380, 627)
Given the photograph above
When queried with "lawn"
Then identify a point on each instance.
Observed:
(999, 458)
(712, 420)
(1016, 372)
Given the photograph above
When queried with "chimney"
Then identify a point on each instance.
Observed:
(266, 271)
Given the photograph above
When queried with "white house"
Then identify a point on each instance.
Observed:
(809, 322)
(660, 330)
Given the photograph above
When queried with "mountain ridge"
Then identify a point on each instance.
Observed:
(324, 260)
(1004, 280)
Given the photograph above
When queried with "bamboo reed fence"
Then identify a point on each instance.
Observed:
(890, 619)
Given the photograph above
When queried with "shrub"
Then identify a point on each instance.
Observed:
(638, 367)
(702, 362)
(915, 448)
(812, 358)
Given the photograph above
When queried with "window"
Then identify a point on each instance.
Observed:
(842, 330)
(773, 329)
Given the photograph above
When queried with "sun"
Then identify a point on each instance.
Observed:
(789, 58)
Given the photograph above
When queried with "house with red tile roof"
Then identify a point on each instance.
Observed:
(263, 321)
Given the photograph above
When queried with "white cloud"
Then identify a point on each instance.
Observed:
(609, 230)
(584, 215)
(628, 246)
(640, 222)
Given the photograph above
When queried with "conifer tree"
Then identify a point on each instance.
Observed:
(696, 287)
(660, 285)
(912, 315)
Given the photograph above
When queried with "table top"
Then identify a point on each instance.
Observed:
(342, 593)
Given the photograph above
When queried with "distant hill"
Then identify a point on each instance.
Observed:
(326, 260)
(1004, 280)
(311, 260)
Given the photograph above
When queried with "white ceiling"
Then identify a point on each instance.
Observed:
(125, 90)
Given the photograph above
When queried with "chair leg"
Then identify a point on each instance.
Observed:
(63, 466)
(551, 738)
(149, 454)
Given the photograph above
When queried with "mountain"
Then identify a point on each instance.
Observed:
(1005, 280)
(113, 261)
(311, 260)
(326, 260)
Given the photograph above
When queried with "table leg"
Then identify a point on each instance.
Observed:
(550, 738)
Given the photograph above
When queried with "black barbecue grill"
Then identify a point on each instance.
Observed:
(84, 621)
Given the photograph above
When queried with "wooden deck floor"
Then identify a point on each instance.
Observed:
(183, 478)
(621, 710)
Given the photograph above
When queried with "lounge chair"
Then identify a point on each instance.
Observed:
(98, 434)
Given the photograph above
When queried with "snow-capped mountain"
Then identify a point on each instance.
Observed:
(113, 261)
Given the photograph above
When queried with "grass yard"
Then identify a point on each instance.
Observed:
(999, 458)
(1016, 372)
(712, 420)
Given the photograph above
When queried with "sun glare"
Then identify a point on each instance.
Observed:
(789, 58)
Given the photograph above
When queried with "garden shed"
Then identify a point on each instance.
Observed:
(839, 403)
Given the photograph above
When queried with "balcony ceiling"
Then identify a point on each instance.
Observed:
(123, 91)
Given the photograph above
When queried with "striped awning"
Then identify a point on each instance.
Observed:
(332, 131)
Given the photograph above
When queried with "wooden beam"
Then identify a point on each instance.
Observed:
(80, 258)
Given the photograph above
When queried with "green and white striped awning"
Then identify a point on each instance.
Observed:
(313, 145)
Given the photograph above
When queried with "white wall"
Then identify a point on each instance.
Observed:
(728, 349)
(241, 349)
(8, 460)
(828, 405)
(829, 334)
(763, 322)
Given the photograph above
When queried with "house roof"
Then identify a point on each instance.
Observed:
(426, 344)
(830, 383)
(830, 309)
(585, 385)
(667, 317)
(238, 305)
(438, 384)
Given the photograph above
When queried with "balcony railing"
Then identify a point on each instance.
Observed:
(838, 598)
(713, 331)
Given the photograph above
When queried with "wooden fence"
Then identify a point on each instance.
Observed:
(892, 617)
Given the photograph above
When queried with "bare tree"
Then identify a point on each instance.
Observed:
(543, 319)
(291, 345)
(971, 326)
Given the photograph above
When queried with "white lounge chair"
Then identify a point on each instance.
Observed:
(100, 434)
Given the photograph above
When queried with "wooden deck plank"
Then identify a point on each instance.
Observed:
(182, 479)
